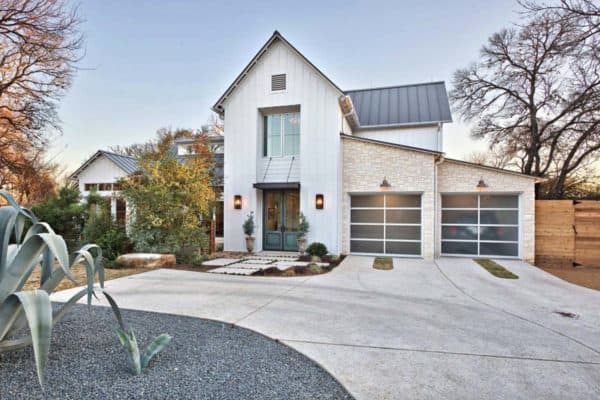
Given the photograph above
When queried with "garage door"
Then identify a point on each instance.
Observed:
(385, 224)
(480, 225)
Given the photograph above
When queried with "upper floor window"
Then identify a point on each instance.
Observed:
(281, 135)
(278, 82)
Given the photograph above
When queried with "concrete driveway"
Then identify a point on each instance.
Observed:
(424, 330)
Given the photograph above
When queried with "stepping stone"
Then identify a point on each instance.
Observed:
(287, 264)
(258, 261)
(220, 262)
(234, 271)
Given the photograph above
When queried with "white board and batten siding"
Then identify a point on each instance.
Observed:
(101, 170)
(316, 167)
(424, 137)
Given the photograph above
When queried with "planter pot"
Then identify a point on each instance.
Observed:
(250, 244)
(301, 245)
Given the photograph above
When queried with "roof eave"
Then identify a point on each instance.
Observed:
(404, 125)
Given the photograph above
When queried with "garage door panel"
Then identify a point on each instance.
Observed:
(403, 216)
(374, 200)
(366, 246)
(459, 201)
(500, 217)
(408, 248)
(459, 232)
(367, 216)
(504, 233)
(403, 200)
(469, 248)
(403, 232)
(499, 201)
(459, 217)
(367, 231)
(498, 249)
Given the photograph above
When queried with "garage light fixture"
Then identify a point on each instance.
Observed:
(481, 185)
(237, 202)
(385, 184)
(319, 201)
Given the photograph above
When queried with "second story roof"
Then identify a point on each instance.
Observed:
(417, 104)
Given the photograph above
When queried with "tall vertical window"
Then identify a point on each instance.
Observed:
(281, 135)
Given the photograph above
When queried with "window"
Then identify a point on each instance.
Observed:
(90, 186)
(281, 135)
(278, 82)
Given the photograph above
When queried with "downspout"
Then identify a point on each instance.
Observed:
(436, 227)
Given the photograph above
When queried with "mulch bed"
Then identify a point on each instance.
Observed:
(205, 360)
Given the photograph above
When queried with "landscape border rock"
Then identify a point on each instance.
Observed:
(145, 260)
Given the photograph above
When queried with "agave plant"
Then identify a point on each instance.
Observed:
(137, 360)
(21, 252)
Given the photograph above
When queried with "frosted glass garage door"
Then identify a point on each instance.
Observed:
(385, 224)
(480, 225)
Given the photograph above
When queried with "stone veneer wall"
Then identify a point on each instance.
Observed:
(456, 177)
(364, 167)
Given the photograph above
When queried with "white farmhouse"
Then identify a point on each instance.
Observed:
(366, 167)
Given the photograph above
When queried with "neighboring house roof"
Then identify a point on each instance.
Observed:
(417, 104)
(218, 106)
(127, 163)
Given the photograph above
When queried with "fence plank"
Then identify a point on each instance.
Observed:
(554, 234)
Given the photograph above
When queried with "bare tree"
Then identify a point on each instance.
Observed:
(535, 94)
(39, 46)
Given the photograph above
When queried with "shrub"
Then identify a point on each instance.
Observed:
(303, 227)
(315, 269)
(248, 225)
(317, 249)
(65, 214)
(100, 228)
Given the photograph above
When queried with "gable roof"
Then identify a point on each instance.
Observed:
(416, 104)
(276, 36)
(127, 163)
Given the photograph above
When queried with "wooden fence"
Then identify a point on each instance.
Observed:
(567, 233)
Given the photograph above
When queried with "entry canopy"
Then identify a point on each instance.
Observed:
(276, 185)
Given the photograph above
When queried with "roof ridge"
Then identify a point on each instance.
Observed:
(397, 86)
(116, 154)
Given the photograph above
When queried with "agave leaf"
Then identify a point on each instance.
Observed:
(8, 217)
(19, 270)
(157, 345)
(38, 227)
(59, 248)
(135, 354)
(99, 267)
(36, 304)
(9, 199)
(129, 343)
(89, 271)
(115, 308)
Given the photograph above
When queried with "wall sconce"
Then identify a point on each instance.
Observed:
(237, 202)
(319, 201)
(481, 185)
(385, 184)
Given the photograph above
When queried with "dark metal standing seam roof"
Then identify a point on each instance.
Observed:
(402, 105)
(126, 163)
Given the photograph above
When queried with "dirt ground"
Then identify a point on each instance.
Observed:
(587, 277)
(79, 272)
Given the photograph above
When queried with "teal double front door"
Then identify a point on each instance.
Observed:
(281, 214)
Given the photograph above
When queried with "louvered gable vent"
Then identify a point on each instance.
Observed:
(277, 82)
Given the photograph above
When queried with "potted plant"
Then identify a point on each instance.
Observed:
(248, 228)
(303, 228)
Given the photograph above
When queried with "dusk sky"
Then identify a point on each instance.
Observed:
(151, 64)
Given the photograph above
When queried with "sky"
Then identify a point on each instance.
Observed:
(152, 64)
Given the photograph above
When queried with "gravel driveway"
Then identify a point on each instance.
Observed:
(422, 330)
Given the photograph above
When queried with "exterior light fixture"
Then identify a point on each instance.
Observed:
(385, 184)
(481, 185)
(319, 202)
(237, 202)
